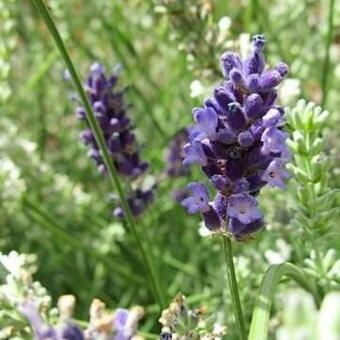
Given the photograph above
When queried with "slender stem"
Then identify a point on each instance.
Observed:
(326, 63)
(113, 175)
(232, 282)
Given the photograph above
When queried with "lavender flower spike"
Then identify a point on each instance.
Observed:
(111, 112)
(239, 142)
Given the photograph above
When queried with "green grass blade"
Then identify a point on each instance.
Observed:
(261, 315)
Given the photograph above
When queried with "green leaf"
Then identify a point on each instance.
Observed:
(261, 315)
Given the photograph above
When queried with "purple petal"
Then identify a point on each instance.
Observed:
(245, 139)
(282, 68)
(230, 60)
(269, 80)
(121, 316)
(273, 140)
(272, 118)
(253, 106)
(237, 78)
(235, 117)
(255, 62)
(194, 153)
(238, 229)
(243, 207)
(223, 98)
(253, 82)
(211, 219)
(199, 199)
(275, 174)
(206, 120)
(42, 331)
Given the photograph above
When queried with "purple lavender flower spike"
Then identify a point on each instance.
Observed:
(239, 143)
(108, 104)
(244, 208)
(199, 199)
(111, 113)
(275, 174)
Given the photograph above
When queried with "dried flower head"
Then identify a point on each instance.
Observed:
(181, 323)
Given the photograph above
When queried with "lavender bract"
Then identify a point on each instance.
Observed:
(111, 112)
(239, 143)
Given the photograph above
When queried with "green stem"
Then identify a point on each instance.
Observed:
(261, 315)
(326, 63)
(113, 175)
(232, 282)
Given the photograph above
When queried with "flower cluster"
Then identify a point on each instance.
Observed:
(181, 323)
(110, 110)
(239, 143)
(120, 325)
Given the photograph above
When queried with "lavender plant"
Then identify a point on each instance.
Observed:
(315, 211)
(239, 143)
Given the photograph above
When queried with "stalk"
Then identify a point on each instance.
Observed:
(232, 283)
(113, 174)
